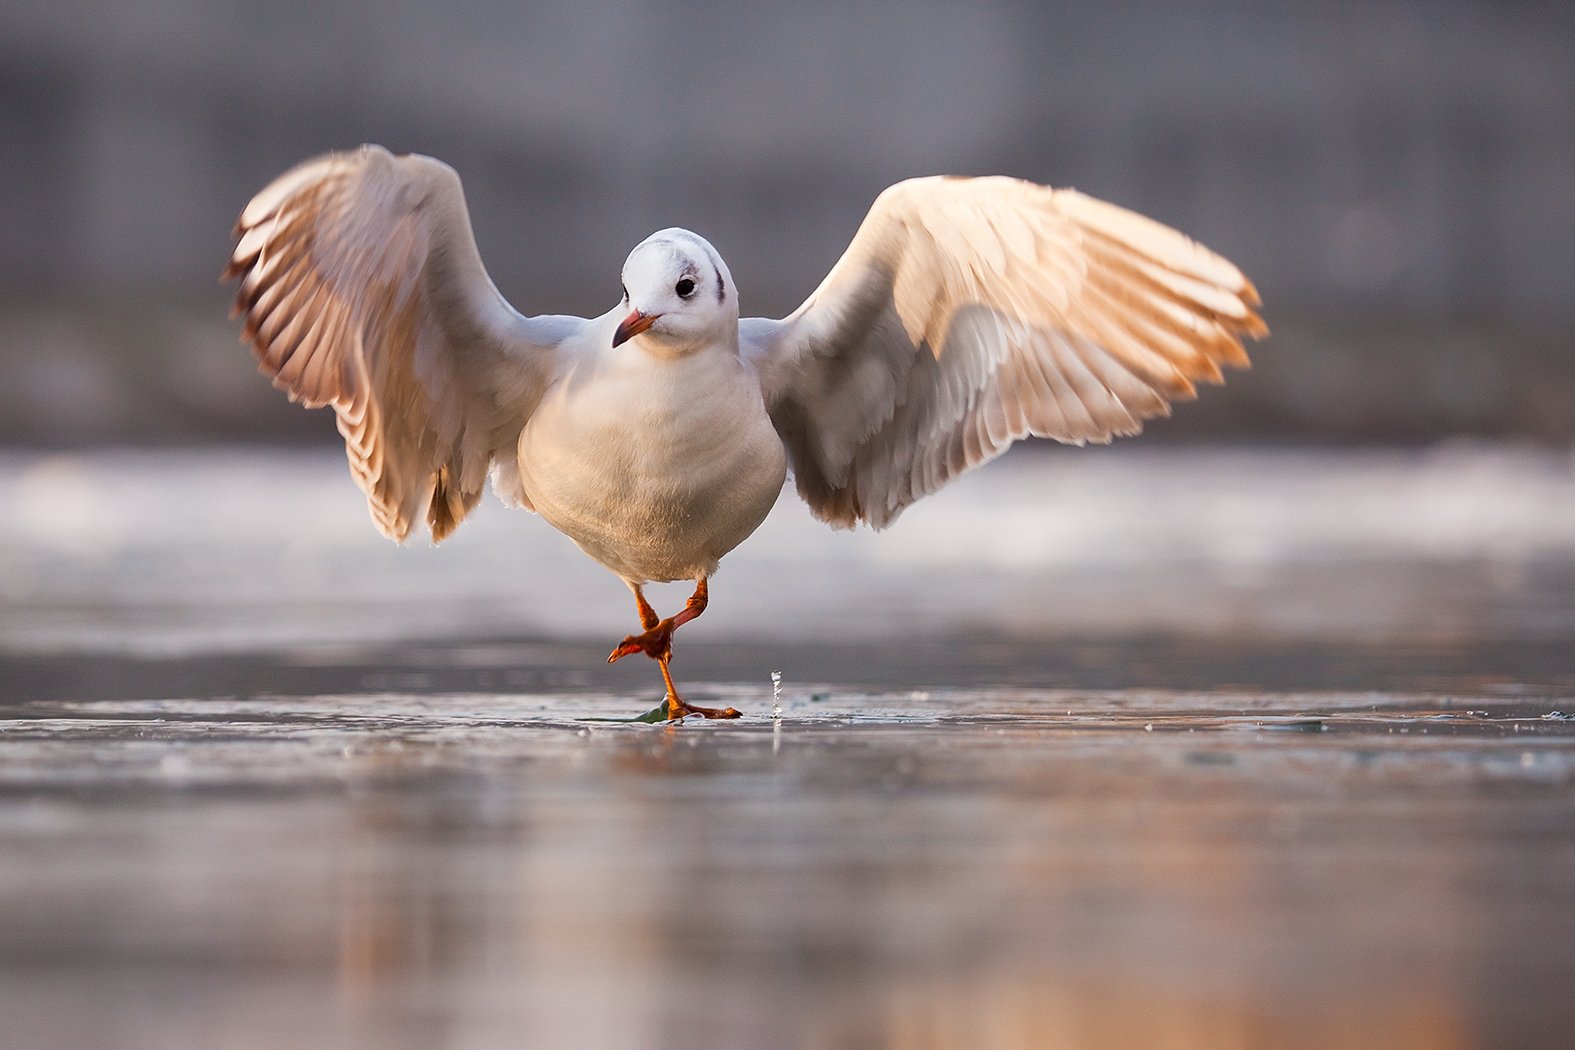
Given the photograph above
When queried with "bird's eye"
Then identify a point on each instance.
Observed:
(685, 288)
(625, 288)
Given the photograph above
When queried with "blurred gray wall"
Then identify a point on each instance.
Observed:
(1397, 177)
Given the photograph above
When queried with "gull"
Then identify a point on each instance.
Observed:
(966, 313)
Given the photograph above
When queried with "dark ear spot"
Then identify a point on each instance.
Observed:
(721, 286)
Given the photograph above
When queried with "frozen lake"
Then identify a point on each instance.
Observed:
(1199, 748)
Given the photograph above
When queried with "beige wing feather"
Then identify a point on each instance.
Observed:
(361, 289)
(969, 313)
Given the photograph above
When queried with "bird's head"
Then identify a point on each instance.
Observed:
(678, 294)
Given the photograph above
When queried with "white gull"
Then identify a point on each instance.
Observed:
(967, 313)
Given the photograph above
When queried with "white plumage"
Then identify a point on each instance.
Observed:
(966, 314)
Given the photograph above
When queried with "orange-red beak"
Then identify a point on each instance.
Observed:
(632, 326)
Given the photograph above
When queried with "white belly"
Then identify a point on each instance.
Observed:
(656, 468)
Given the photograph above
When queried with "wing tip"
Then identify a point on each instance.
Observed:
(1255, 325)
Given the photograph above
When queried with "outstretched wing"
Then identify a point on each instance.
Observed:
(361, 289)
(969, 313)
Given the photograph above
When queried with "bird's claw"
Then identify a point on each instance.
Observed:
(657, 643)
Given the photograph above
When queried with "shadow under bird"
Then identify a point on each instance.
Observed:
(966, 313)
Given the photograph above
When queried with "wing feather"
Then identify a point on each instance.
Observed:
(361, 289)
(969, 313)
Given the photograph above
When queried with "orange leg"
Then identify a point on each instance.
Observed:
(657, 643)
(648, 617)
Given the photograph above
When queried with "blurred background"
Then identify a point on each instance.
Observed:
(1397, 176)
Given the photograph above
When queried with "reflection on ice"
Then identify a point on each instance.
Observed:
(1006, 868)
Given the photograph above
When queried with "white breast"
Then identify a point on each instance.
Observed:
(656, 468)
